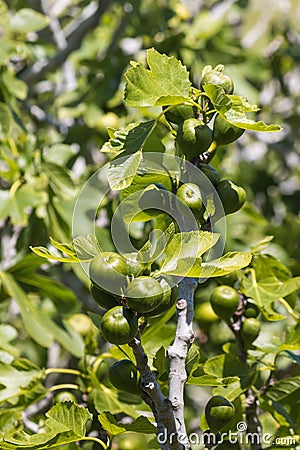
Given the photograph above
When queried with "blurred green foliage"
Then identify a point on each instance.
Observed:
(61, 87)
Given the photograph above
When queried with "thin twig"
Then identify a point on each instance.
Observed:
(160, 405)
(253, 424)
(177, 353)
(10, 236)
(69, 79)
(161, 430)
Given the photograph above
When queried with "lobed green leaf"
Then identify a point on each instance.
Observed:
(65, 423)
(183, 253)
(166, 82)
(267, 282)
(230, 262)
(233, 108)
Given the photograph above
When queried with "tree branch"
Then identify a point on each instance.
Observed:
(177, 353)
(253, 424)
(161, 430)
(254, 427)
(85, 23)
(69, 79)
(160, 405)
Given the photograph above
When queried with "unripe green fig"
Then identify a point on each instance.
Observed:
(179, 113)
(220, 333)
(217, 77)
(211, 173)
(124, 376)
(64, 396)
(104, 299)
(130, 441)
(119, 325)
(251, 310)
(170, 295)
(231, 195)
(205, 316)
(224, 132)
(190, 195)
(218, 412)
(229, 279)
(224, 301)
(250, 330)
(144, 294)
(135, 267)
(82, 323)
(193, 138)
(108, 271)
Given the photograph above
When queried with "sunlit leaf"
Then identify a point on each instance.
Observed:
(183, 253)
(16, 382)
(140, 425)
(86, 248)
(26, 20)
(268, 282)
(233, 109)
(121, 171)
(45, 253)
(65, 423)
(130, 140)
(230, 262)
(166, 82)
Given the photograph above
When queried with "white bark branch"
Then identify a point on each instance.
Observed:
(177, 353)
(160, 405)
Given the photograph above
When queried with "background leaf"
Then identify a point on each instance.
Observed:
(26, 20)
(16, 383)
(5, 121)
(38, 325)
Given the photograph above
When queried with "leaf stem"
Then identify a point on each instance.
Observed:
(289, 309)
(92, 438)
(56, 387)
(252, 403)
(123, 351)
(62, 370)
(177, 353)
